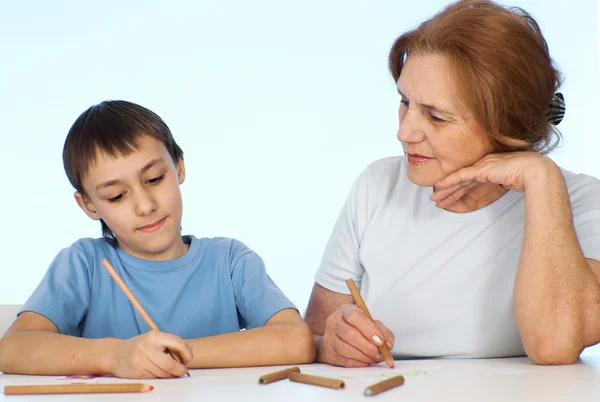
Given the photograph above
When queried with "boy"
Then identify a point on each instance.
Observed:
(126, 169)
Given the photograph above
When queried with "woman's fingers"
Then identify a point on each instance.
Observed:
(390, 339)
(359, 348)
(357, 318)
(457, 194)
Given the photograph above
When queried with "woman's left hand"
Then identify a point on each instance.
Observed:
(511, 170)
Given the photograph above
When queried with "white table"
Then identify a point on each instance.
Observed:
(516, 379)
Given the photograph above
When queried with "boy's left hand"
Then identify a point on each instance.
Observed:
(144, 356)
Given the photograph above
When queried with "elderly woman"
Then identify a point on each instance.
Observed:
(472, 244)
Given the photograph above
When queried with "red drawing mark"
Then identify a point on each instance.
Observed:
(80, 377)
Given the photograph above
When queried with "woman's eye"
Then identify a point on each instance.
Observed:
(156, 179)
(117, 198)
(436, 119)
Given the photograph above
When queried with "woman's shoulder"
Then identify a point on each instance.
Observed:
(386, 172)
(389, 165)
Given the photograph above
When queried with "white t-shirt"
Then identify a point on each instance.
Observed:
(441, 281)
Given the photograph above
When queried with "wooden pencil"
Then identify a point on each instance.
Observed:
(317, 380)
(277, 375)
(383, 349)
(137, 305)
(76, 389)
(384, 385)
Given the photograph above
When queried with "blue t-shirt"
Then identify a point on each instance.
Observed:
(218, 286)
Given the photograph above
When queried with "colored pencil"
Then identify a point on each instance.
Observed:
(383, 349)
(317, 380)
(137, 305)
(384, 385)
(76, 389)
(277, 375)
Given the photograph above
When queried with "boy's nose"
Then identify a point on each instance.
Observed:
(145, 204)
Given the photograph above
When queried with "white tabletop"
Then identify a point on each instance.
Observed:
(516, 379)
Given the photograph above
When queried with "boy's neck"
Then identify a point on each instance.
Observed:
(176, 250)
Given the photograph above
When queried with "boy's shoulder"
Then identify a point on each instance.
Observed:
(90, 248)
(222, 246)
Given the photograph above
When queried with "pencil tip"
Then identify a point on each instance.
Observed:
(151, 387)
(188, 374)
(392, 365)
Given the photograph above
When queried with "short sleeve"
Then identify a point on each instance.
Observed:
(584, 193)
(340, 260)
(256, 295)
(63, 294)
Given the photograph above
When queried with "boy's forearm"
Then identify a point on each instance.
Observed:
(48, 353)
(277, 344)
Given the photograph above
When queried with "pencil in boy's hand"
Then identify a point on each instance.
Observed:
(137, 306)
(76, 389)
(383, 349)
(384, 385)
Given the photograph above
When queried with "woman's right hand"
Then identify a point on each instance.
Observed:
(145, 356)
(351, 339)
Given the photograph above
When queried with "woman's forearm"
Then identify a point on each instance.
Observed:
(556, 292)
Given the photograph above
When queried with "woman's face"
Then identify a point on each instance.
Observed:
(438, 133)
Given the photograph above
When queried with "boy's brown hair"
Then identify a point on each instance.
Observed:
(113, 127)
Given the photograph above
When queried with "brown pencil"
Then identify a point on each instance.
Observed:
(137, 305)
(76, 389)
(383, 349)
(317, 380)
(384, 385)
(277, 375)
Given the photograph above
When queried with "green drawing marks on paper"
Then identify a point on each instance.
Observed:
(410, 373)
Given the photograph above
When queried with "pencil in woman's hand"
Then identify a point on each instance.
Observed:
(137, 306)
(383, 349)
(76, 389)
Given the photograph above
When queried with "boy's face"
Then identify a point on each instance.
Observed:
(138, 197)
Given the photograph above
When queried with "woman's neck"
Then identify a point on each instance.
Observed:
(477, 198)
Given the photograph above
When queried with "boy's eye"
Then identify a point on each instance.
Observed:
(117, 198)
(156, 179)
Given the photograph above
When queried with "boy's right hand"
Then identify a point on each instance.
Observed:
(145, 356)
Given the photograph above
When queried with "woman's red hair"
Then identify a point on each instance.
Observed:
(502, 67)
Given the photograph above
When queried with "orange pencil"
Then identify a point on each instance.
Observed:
(384, 385)
(278, 375)
(317, 380)
(383, 349)
(76, 389)
(137, 305)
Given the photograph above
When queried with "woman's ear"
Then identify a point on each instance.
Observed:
(180, 171)
(87, 206)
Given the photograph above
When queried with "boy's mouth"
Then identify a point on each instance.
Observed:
(153, 226)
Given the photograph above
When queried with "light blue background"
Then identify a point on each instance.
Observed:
(278, 105)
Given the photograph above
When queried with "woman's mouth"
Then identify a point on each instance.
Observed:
(417, 160)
